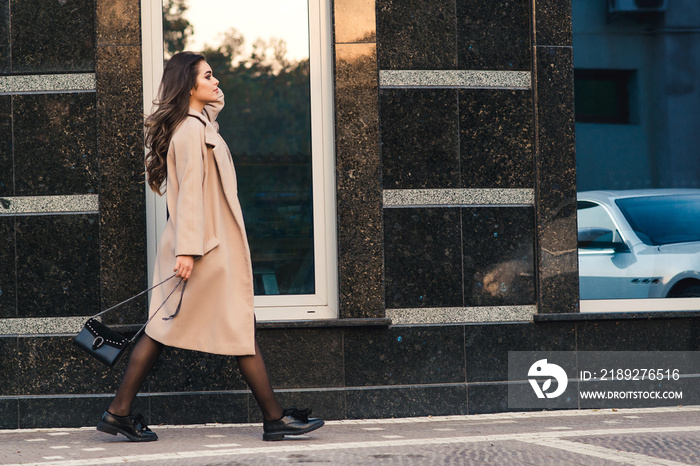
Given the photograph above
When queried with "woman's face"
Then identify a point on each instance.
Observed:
(206, 90)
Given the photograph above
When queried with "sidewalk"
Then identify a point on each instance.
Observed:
(653, 436)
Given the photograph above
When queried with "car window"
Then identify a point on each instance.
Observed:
(660, 220)
(595, 227)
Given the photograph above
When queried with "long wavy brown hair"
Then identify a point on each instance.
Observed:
(173, 103)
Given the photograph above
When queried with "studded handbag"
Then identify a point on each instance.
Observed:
(107, 345)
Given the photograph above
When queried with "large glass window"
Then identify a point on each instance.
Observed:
(638, 170)
(272, 58)
(262, 63)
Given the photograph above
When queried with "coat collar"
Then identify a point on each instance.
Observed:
(223, 159)
(210, 129)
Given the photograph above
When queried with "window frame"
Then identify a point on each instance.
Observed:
(323, 304)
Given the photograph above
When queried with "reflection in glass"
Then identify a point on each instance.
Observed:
(266, 123)
(636, 139)
(639, 244)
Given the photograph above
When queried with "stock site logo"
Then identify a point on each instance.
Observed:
(552, 372)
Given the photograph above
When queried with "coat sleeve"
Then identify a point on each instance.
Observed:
(212, 109)
(186, 147)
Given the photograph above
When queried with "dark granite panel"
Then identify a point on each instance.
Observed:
(303, 358)
(52, 366)
(327, 404)
(490, 398)
(123, 250)
(55, 144)
(495, 133)
(404, 355)
(487, 345)
(120, 97)
(50, 36)
(498, 255)
(180, 370)
(6, 157)
(638, 335)
(416, 35)
(358, 182)
(553, 22)
(118, 22)
(5, 65)
(407, 402)
(493, 35)
(555, 191)
(123, 270)
(8, 276)
(419, 138)
(58, 265)
(9, 366)
(199, 408)
(355, 21)
(76, 411)
(9, 418)
(423, 263)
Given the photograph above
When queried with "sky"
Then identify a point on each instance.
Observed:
(284, 19)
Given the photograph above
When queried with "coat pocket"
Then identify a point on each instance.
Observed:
(210, 244)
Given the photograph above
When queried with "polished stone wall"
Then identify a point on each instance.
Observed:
(72, 207)
(343, 372)
(456, 168)
(72, 210)
(456, 218)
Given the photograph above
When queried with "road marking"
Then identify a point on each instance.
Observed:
(558, 428)
(93, 449)
(373, 428)
(60, 447)
(58, 433)
(35, 440)
(53, 457)
(308, 448)
(392, 436)
(617, 456)
(215, 436)
(224, 445)
(633, 417)
(443, 429)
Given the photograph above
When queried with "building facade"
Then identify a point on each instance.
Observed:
(454, 229)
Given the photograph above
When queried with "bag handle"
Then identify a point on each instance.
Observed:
(177, 310)
(135, 296)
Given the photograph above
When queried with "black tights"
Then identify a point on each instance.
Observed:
(255, 374)
(144, 356)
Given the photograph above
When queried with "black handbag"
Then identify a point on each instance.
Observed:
(109, 346)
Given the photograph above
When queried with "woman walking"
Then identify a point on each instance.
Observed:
(205, 244)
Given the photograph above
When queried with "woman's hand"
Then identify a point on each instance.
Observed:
(183, 267)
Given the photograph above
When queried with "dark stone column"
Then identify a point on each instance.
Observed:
(120, 143)
(358, 167)
(555, 158)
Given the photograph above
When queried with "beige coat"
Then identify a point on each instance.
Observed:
(206, 221)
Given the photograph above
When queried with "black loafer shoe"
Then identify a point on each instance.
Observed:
(294, 422)
(132, 427)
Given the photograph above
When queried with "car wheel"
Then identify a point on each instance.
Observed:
(692, 291)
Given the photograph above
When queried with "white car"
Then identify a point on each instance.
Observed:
(639, 243)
